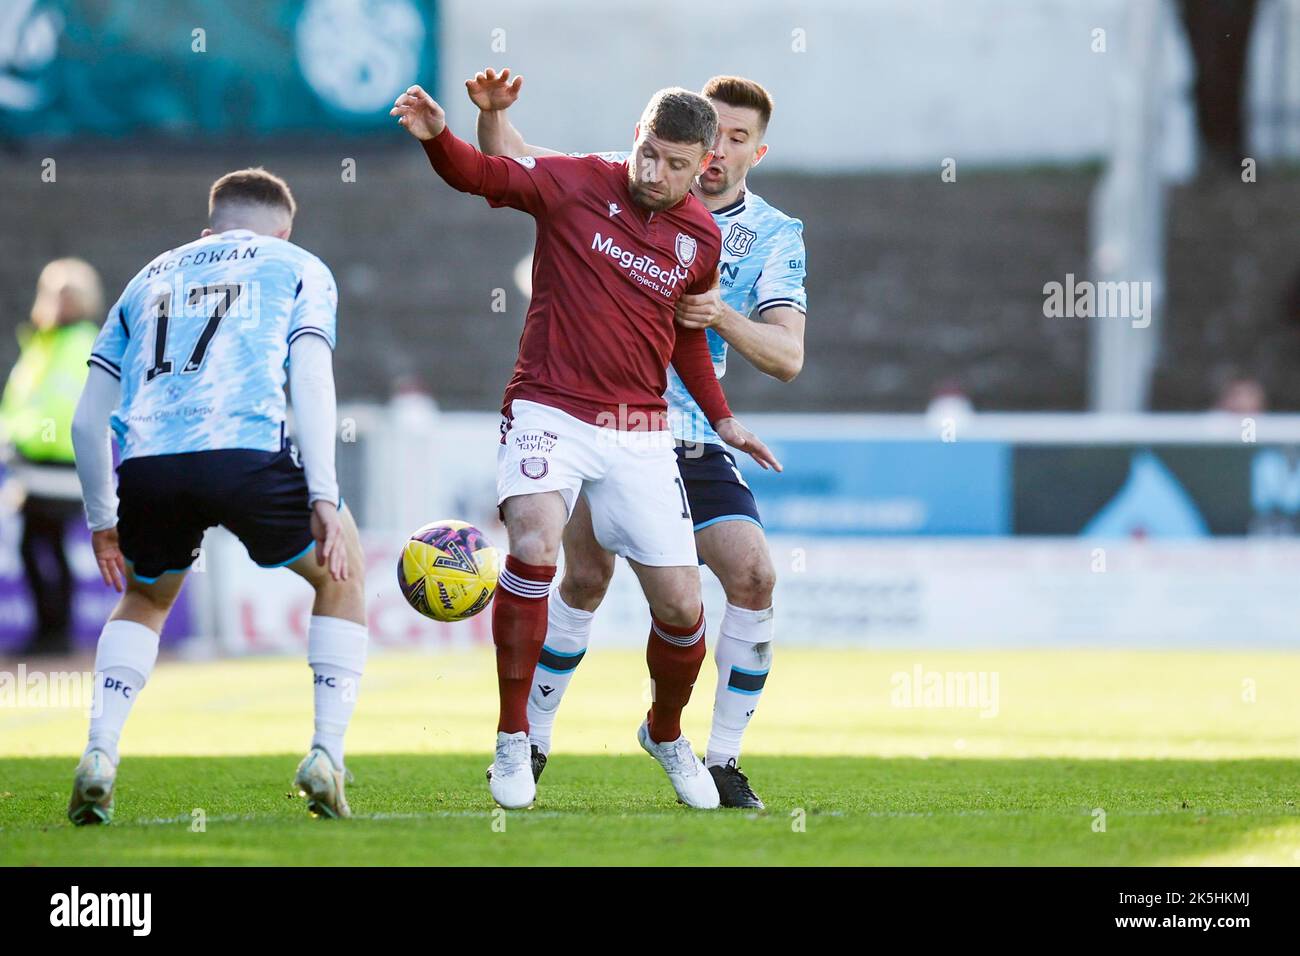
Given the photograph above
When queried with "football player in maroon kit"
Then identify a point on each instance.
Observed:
(757, 311)
(617, 245)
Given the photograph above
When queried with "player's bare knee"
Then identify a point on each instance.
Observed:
(535, 545)
(587, 582)
(352, 589)
(592, 588)
(144, 605)
(748, 577)
(148, 598)
(683, 611)
(751, 586)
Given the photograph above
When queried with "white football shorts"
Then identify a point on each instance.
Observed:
(635, 492)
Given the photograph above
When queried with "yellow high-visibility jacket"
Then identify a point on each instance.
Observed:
(43, 388)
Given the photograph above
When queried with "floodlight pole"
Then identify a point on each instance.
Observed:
(1127, 218)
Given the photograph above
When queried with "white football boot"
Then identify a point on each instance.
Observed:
(512, 781)
(693, 783)
(321, 783)
(92, 789)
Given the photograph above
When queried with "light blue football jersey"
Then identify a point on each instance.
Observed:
(200, 341)
(762, 265)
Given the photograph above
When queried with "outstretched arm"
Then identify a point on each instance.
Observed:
(494, 93)
(522, 184)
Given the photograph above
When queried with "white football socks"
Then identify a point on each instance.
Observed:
(124, 659)
(568, 632)
(336, 651)
(744, 656)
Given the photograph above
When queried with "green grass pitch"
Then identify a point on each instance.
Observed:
(1088, 758)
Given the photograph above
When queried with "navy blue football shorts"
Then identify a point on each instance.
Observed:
(715, 489)
(166, 502)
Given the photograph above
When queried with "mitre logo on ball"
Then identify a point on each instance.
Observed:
(685, 249)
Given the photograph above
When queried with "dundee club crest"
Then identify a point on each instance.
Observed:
(739, 239)
(685, 249)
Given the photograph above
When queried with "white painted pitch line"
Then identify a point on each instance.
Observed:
(779, 815)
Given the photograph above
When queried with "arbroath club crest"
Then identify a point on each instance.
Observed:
(534, 467)
(685, 249)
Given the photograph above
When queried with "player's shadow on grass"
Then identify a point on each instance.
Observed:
(430, 809)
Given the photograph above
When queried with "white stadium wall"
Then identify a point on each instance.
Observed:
(964, 594)
(903, 551)
(998, 82)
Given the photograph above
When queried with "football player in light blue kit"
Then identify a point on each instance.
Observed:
(758, 308)
(189, 373)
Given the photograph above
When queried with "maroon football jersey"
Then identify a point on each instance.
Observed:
(599, 334)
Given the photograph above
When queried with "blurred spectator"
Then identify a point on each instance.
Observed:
(1241, 395)
(36, 413)
(949, 406)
